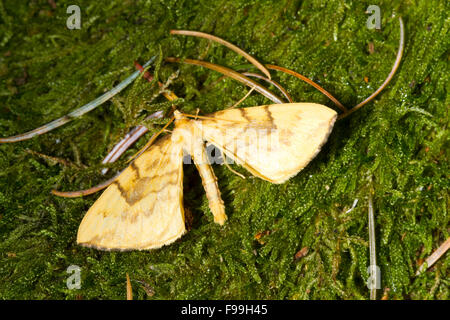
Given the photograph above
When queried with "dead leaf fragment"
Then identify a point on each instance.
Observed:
(259, 235)
(300, 254)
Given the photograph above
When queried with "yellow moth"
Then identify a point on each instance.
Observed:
(143, 208)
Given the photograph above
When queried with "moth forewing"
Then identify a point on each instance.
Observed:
(273, 142)
(143, 208)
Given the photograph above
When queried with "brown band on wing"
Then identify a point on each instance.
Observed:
(121, 189)
(244, 114)
(135, 169)
(269, 114)
(138, 191)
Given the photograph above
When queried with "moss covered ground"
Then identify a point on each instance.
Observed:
(398, 145)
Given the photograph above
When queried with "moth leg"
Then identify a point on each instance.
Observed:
(231, 169)
(210, 185)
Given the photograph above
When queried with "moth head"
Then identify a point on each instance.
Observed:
(178, 115)
(183, 127)
(181, 121)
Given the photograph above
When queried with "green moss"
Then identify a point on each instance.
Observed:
(400, 141)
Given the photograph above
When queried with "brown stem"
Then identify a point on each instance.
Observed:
(388, 79)
(229, 45)
(85, 192)
(232, 74)
(310, 82)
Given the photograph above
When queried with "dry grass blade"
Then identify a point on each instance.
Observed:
(232, 74)
(119, 148)
(138, 131)
(388, 79)
(77, 112)
(434, 256)
(274, 83)
(372, 248)
(128, 140)
(129, 289)
(229, 45)
(310, 82)
(85, 192)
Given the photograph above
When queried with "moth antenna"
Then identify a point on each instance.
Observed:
(210, 118)
(390, 76)
(272, 82)
(232, 74)
(105, 184)
(229, 167)
(77, 112)
(229, 45)
(149, 143)
(255, 75)
(242, 99)
(139, 130)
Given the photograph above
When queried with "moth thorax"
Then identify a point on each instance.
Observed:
(183, 131)
(178, 115)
